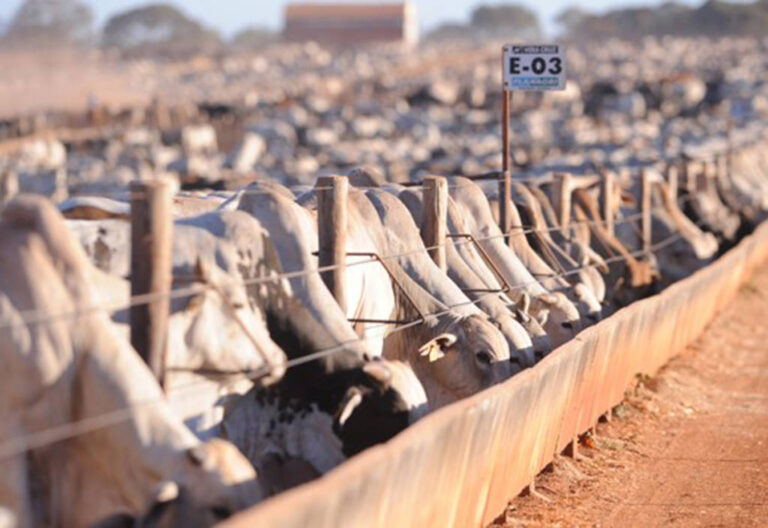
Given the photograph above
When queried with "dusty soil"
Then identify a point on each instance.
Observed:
(687, 448)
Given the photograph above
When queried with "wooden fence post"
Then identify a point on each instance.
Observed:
(505, 182)
(332, 233)
(151, 273)
(434, 227)
(563, 198)
(645, 209)
(607, 197)
(505, 204)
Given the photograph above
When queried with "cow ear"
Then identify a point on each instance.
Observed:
(435, 348)
(542, 316)
(197, 455)
(524, 302)
(351, 400)
(202, 270)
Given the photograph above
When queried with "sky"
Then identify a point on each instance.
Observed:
(228, 16)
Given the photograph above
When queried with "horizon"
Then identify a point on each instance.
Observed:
(227, 15)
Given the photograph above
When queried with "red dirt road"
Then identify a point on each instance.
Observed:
(687, 448)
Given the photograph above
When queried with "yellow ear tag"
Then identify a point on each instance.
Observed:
(433, 351)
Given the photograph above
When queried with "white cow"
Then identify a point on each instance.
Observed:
(474, 348)
(78, 369)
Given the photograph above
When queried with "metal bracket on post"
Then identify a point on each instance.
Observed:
(422, 316)
(645, 209)
(505, 286)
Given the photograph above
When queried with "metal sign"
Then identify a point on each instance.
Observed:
(534, 68)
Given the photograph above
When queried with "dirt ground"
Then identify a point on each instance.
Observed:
(687, 448)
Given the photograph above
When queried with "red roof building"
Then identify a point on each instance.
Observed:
(351, 23)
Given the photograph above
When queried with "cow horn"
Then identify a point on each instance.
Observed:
(352, 399)
(542, 316)
(166, 491)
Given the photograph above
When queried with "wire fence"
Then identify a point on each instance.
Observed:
(23, 443)
(30, 317)
(20, 444)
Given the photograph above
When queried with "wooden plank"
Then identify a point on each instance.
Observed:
(672, 182)
(332, 232)
(434, 224)
(151, 261)
(563, 198)
(645, 208)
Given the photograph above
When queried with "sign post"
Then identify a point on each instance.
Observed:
(524, 68)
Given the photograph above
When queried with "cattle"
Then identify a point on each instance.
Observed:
(94, 208)
(324, 409)
(468, 268)
(43, 155)
(694, 248)
(185, 204)
(687, 247)
(458, 353)
(471, 346)
(303, 319)
(403, 239)
(77, 369)
(198, 139)
(312, 420)
(246, 153)
(559, 316)
(577, 264)
(214, 329)
(704, 205)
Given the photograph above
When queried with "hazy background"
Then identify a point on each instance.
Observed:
(228, 16)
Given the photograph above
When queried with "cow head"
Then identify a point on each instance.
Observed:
(214, 481)
(521, 347)
(685, 256)
(587, 303)
(217, 329)
(521, 311)
(558, 315)
(379, 400)
(465, 356)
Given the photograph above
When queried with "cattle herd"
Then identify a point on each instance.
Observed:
(270, 380)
